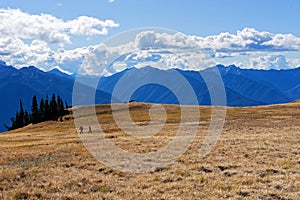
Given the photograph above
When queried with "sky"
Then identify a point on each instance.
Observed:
(68, 34)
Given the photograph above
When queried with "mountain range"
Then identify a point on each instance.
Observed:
(244, 87)
(24, 83)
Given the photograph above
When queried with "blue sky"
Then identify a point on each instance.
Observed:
(200, 17)
(192, 17)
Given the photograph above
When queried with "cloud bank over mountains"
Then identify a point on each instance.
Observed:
(269, 62)
(247, 40)
(39, 40)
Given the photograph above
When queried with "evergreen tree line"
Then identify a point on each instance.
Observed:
(45, 111)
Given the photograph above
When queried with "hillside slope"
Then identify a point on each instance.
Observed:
(256, 157)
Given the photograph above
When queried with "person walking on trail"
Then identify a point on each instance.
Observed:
(81, 129)
(90, 130)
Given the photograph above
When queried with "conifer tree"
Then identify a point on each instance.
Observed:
(66, 104)
(53, 108)
(47, 109)
(19, 120)
(20, 117)
(60, 106)
(14, 121)
(42, 110)
(26, 118)
(34, 111)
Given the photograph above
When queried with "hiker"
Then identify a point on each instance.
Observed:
(90, 130)
(81, 129)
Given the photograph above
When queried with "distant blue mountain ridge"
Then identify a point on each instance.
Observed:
(24, 83)
(241, 89)
(244, 87)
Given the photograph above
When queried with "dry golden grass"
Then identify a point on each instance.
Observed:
(256, 157)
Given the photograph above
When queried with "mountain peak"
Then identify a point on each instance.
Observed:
(55, 70)
(30, 69)
(232, 69)
(6, 70)
(2, 63)
(33, 68)
(58, 72)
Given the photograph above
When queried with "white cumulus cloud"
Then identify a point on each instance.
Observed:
(26, 42)
(269, 62)
(26, 39)
(17, 24)
(225, 44)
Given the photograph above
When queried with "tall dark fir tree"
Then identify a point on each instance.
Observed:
(21, 118)
(53, 108)
(47, 109)
(34, 111)
(42, 110)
